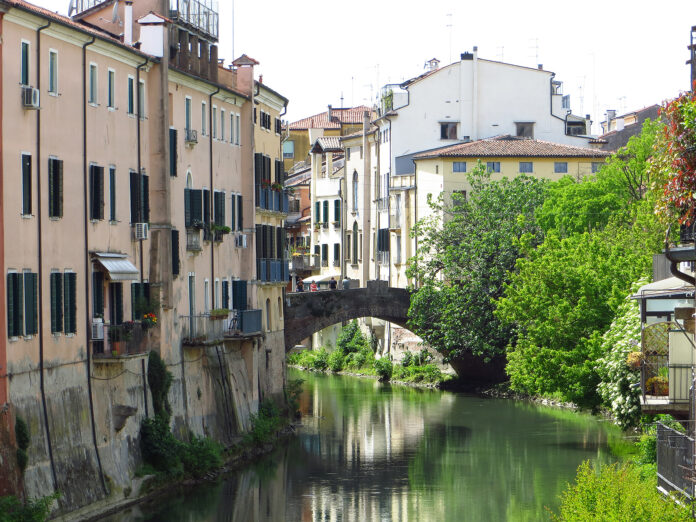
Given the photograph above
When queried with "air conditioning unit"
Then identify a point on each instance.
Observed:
(97, 330)
(141, 231)
(191, 136)
(240, 241)
(30, 97)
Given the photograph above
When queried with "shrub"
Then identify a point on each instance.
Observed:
(160, 380)
(616, 492)
(264, 424)
(336, 360)
(23, 439)
(351, 339)
(293, 390)
(321, 360)
(647, 448)
(384, 368)
(200, 455)
(33, 510)
(407, 360)
(158, 446)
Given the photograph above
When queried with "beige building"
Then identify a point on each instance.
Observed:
(129, 226)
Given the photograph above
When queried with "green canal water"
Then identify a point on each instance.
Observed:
(371, 451)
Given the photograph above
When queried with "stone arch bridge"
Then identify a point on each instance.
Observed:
(309, 312)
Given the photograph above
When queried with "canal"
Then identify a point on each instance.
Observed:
(371, 451)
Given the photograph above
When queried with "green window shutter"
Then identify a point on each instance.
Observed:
(172, 152)
(317, 212)
(240, 213)
(70, 303)
(135, 200)
(14, 306)
(97, 294)
(206, 206)
(30, 303)
(112, 194)
(175, 252)
(225, 294)
(326, 211)
(117, 289)
(187, 208)
(145, 194)
(337, 210)
(196, 206)
(56, 282)
(233, 213)
(239, 295)
(26, 184)
(51, 191)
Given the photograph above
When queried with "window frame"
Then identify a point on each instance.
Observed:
(204, 116)
(93, 84)
(27, 195)
(447, 128)
(557, 167)
(524, 165)
(457, 166)
(493, 167)
(25, 62)
(111, 88)
(131, 95)
(188, 108)
(53, 72)
(55, 183)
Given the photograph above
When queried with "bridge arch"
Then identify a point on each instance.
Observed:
(308, 312)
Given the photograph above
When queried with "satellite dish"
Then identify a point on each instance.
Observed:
(71, 8)
(114, 16)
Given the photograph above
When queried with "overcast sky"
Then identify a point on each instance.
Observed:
(609, 54)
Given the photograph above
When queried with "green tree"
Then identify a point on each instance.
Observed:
(464, 256)
(563, 296)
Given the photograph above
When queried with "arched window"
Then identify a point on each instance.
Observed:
(189, 180)
(355, 191)
(355, 243)
(268, 315)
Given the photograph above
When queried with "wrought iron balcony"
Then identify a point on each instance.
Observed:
(204, 329)
(202, 15)
(272, 270)
(129, 338)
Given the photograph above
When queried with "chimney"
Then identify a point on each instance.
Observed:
(330, 113)
(128, 23)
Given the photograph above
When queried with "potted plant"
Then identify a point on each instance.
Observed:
(218, 314)
(119, 335)
(149, 320)
(634, 359)
(277, 187)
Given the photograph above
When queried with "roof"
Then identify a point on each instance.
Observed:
(349, 115)
(328, 144)
(512, 146)
(244, 60)
(373, 128)
(664, 287)
(117, 266)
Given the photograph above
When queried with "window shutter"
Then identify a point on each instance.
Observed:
(258, 168)
(267, 168)
(59, 187)
(259, 241)
(175, 252)
(225, 294)
(112, 194)
(117, 289)
(206, 206)
(240, 213)
(239, 295)
(279, 243)
(196, 206)
(317, 212)
(337, 210)
(56, 280)
(26, 184)
(51, 193)
(97, 294)
(134, 196)
(14, 306)
(187, 208)
(30, 302)
(337, 251)
(233, 212)
(173, 155)
(70, 303)
(100, 193)
(146, 198)
(326, 211)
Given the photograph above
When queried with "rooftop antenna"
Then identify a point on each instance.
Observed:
(341, 99)
(535, 48)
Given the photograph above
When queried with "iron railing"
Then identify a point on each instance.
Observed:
(201, 14)
(129, 338)
(382, 257)
(661, 379)
(205, 329)
(675, 461)
(269, 199)
(272, 270)
(193, 240)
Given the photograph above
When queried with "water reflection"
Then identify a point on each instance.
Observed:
(369, 451)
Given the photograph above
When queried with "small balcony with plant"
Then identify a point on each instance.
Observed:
(218, 325)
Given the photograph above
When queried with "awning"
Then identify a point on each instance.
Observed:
(117, 267)
(664, 287)
(321, 278)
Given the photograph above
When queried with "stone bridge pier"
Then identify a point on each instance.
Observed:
(309, 312)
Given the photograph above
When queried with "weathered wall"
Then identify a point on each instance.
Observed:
(10, 479)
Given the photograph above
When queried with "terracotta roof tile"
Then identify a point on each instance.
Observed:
(328, 144)
(512, 146)
(350, 115)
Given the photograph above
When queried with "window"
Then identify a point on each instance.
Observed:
(187, 114)
(131, 95)
(141, 99)
(213, 122)
(140, 197)
(526, 167)
(525, 129)
(448, 131)
(15, 304)
(459, 166)
(596, 165)
(96, 192)
(348, 153)
(97, 294)
(206, 296)
(112, 193)
(176, 262)
(26, 185)
(111, 81)
(239, 212)
(24, 64)
(254, 115)
(237, 137)
(116, 302)
(355, 243)
(355, 190)
(493, 166)
(140, 295)
(69, 302)
(560, 167)
(203, 118)
(53, 72)
(225, 293)
(398, 249)
(92, 84)
(55, 188)
(222, 124)
(233, 134)
(278, 126)
(288, 149)
(56, 282)
(326, 210)
(31, 322)
(216, 293)
(324, 255)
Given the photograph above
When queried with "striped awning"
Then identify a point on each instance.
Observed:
(117, 267)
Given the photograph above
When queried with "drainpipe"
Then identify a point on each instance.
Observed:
(42, 383)
(88, 323)
(212, 196)
(137, 118)
(4, 391)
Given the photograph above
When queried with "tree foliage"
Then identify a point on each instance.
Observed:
(465, 253)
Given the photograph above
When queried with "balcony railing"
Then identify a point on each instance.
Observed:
(203, 329)
(272, 270)
(304, 262)
(383, 257)
(274, 200)
(129, 338)
(382, 204)
(201, 14)
(395, 219)
(675, 471)
(193, 240)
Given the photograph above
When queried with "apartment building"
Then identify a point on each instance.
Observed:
(129, 226)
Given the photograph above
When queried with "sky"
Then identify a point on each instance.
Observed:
(610, 54)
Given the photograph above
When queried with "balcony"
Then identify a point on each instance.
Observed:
(303, 262)
(383, 204)
(272, 270)
(190, 136)
(205, 330)
(201, 15)
(272, 200)
(193, 240)
(127, 339)
(382, 257)
(395, 221)
(666, 368)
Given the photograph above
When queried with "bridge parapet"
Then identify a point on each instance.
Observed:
(309, 312)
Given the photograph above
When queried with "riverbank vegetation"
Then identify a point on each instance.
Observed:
(354, 354)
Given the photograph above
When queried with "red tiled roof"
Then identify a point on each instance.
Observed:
(327, 144)
(512, 146)
(350, 115)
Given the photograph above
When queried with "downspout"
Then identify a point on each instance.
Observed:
(4, 391)
(212, 197)
(42, 383)
(415, 215)
(137, 118)
(88, 324)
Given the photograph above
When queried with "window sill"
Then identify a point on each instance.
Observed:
(114, 222)
(27, 216)
(112, 109)
(55, 218)
(54, 94)
(93, 104)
